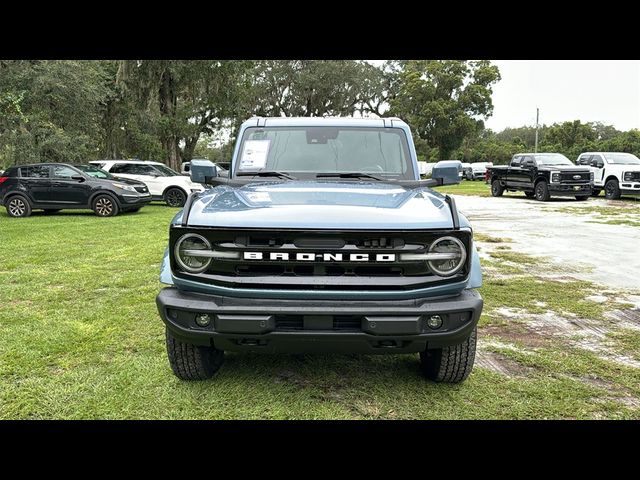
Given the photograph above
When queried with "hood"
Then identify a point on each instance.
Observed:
(126, 181)
(322, 205)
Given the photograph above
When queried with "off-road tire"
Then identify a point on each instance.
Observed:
(496, 189)
(18, 206)
(451, 364)
(530, 194)
(595, 192)
(612, 190)
(175, 197)
(542, 191)
(192, 362)
(105, 206)
(582, 198)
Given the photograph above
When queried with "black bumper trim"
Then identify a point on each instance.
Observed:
(392, 326)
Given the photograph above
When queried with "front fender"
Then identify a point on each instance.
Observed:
(165, 269)
(475, 276)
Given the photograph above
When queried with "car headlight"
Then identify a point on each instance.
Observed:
(628, 176)
(124, 187)
(192, 263)
(555, 177)
(452, 253)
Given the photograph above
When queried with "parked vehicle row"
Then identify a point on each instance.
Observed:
(55, 186)
(617, 173)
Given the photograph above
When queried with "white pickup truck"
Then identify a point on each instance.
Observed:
(616, 172)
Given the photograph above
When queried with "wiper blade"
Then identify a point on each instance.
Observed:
(349, 175)
(266, 173)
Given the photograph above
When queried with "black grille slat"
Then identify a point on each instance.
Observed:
(568, 177)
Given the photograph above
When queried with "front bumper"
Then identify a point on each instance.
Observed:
(560, 190)
(301, 326)
(133, 199)
(630, 188)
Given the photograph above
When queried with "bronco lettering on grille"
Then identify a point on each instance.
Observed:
(323, 257)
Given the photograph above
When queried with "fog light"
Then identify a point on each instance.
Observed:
(434, 322)
(203, 319)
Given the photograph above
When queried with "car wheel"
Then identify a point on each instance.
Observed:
(105, 206)
(175, 197)
(595, 192)
(542, 191)
(451, 364)
(192, 362)
(582, 198)
(612, 190)
(496, 189)
(529, 194)
(18, 206)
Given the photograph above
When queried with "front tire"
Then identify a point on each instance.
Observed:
(192, 362)
(496, 189)
(542, 191)
(105, 206)
(451, 364)
(612, 190)
(175, 197)
(18, 207)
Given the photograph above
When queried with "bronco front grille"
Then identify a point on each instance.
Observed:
(321, 269)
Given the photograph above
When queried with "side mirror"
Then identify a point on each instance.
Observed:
(78, 178)
(202, 171)
(447, 172)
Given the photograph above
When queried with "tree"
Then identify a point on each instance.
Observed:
(444, 101)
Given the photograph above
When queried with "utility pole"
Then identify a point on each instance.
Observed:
(537, 118)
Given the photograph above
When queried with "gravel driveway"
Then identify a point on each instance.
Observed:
(602, 253)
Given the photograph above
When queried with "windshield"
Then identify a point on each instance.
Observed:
(552, 159)
(166, 171)
(622, 158)
(95, 172)
(380, 151)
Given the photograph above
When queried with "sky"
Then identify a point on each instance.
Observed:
(606, 91)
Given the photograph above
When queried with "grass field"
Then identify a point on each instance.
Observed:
(467, 187)
(81, 338)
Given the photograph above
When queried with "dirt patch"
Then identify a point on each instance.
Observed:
(501, 364)
(517, 333)
(626, 318)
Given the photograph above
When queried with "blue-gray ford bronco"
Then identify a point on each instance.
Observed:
(322, 238)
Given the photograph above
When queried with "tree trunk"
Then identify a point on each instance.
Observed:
(168, 102)
(189, 147)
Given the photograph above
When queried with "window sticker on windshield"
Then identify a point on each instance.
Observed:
(254, 155)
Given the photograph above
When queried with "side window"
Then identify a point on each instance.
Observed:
(62, 171)
(584, 160)
(126, 168)
(147, 170)
(515, 162)
(38, 171)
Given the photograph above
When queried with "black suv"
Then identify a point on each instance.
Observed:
(55, 186)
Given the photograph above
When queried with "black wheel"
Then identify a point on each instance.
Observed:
(175, 197)
(105, 206)
(542, 191)
(496, 189)
(192, 362)
(450, 364)
(529, 194)
(582, 198)
(612, 190)
(18, 206)
(595, 192)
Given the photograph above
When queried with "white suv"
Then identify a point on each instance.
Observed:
(163, 183)
(618, 173)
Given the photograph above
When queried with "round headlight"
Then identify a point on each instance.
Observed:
(453, 256)
(192, 263)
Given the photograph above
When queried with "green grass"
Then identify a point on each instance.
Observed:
(466, 187)
(81, 338)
